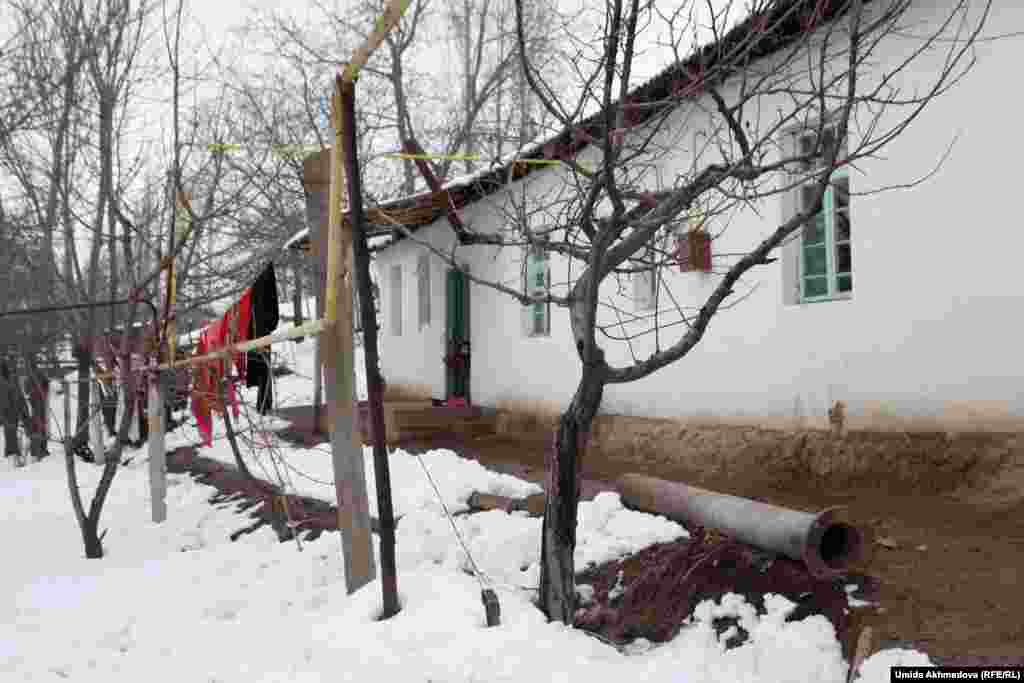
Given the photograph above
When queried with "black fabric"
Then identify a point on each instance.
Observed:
(265, 315)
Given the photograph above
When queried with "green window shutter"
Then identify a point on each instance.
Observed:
(537, 278)
(826, 268)
(826, 258)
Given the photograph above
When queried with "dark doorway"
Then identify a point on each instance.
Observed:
(457, 352)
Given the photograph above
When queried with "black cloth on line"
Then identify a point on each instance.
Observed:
(265, 317)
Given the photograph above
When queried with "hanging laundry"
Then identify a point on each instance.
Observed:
(265, 316)
(204, 389)
(243, 330)
(236, 325)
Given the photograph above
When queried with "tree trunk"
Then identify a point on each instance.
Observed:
(88, 522)
(38, 395)
(558, 539)
(9, 414)
(11, 446)
(91, 539)
(83, 356)
(402, 114)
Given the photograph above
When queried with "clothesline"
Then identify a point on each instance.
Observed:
(305, 330)
(254, 316)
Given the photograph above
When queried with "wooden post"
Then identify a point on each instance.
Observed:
(316, 180)
(157, 455)
(318, 378)
(346, 449)
(385, 512)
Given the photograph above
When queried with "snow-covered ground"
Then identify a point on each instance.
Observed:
(180, 602)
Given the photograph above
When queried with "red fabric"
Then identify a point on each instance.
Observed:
(232, 328)
(243, 330)
(202, 391)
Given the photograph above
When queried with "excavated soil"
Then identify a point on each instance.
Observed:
(650, 594)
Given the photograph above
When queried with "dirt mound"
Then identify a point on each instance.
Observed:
(650, 594)
(923, 462)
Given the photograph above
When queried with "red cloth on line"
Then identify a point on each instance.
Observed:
(203, 391)
(233, 327)
(244, 330)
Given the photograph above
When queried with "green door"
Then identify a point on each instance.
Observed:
(457, 296)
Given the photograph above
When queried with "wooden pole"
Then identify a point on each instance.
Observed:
(346, 450)
(157, 454)
(392, 14)
(385, 513)
(316, 180)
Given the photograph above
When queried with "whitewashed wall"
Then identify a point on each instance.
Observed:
(933, 329)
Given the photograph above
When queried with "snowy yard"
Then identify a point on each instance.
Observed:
(181, 602)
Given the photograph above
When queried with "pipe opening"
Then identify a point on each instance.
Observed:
(840, 545)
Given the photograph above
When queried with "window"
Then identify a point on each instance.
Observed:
(396, 301)
(645, 283)
(826, 259)
(537, 282)
(423, 288)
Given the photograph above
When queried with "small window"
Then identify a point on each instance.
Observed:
(826, 258)
(423, 288)
(645, 282)
(396, 301)
(537, 278)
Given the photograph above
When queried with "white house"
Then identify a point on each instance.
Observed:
(915, 313)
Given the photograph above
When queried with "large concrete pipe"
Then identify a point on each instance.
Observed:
(827, 545)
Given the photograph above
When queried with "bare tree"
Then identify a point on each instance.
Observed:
(777, 107)
(405, 94)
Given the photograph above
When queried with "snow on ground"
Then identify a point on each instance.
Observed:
(180, 602)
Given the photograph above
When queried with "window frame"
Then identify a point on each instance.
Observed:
(423, 293)
(830, 211)
(530, 324)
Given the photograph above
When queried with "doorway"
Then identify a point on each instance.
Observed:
(457, 347)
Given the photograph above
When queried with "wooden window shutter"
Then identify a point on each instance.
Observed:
(700, 250)
(693, 247)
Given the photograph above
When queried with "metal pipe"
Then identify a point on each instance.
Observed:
(823, 541)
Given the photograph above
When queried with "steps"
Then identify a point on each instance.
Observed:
(421, 420)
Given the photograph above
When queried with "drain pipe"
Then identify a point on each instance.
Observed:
(823, 541)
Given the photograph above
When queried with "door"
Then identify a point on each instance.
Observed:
(457, 337)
